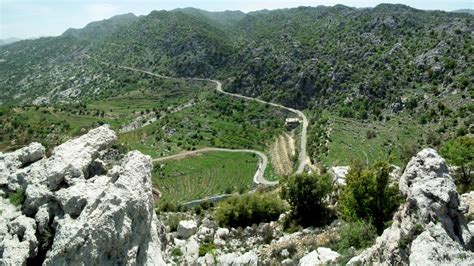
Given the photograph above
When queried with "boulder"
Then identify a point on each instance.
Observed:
(339, 174)
(19, 241)
(222, 233)
(319, 256)
(249, 258)
(11, 162)
(96, 219)
(429, 228)
(116, 226)
(186, 228)
(467, 201)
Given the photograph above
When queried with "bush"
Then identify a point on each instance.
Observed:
(371, 134)
(206, 248)
(167, 207)
(248, 209)
(174, 219)
(368, 195)
(17, 198)
(357, 234)
(460, 152)
(176, 252)
(306, 194)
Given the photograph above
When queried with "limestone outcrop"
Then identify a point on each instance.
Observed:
(430, 227)
(320, 256)
(72, 214)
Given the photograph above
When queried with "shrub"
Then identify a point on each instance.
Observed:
(174, 219)
(358, 234)
(206, 248)
(248, 209)
(176, 252)
(18, 197)
(306, 194)
(371, 134)
(167, 207)
(460, 152)
(368, 195)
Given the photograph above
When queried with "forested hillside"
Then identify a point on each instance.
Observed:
(348, 68)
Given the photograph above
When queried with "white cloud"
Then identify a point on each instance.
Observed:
(101, 11)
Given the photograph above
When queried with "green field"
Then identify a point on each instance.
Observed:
(211, 120)
(206, 174)
(191, 115)
(349, 140)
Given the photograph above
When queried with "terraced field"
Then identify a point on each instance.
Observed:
(351, 139)
(206, 174)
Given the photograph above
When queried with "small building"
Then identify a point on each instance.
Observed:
(292, 122)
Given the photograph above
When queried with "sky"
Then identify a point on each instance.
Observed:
(37, 18)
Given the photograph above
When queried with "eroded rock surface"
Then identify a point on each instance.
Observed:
(74, 215)
(320, 256)
(429, 228)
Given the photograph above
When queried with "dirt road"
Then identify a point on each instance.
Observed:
(303, 158)
(258, 178)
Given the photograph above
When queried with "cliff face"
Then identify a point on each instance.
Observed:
(74, 215)
(430, 227)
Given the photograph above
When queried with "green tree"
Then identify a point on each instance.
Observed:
(248, 209)
(306, 194)
(460, 152)
(368, 195)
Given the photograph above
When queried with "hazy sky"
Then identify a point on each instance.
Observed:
(33, 18)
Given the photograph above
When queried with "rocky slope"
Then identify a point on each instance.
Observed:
(78, 210)
(73, 213)
(430, 227)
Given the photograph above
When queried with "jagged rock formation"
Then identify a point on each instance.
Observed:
(72, 215)
(429, 228)
(320, 256)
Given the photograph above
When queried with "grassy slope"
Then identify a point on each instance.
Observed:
(204, 175)
(349, 140)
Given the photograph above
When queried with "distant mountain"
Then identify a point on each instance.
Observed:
(102, 29)
(302, 57)
(468, 11)
(9, 40)
(225, 18)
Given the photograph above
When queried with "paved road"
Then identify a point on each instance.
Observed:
(303, 158)
(258, 178)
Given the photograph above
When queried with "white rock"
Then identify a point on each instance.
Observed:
(118, 226)
(191, 250)
(20, 242)
(249, 258)
(205, 260)
(42, 218)
(430, 223)
(12, 162)
(339, 174)
(97, 219)
(222, 233)
(319, 256)
(186, 228)
(467, 200)
(205, 232)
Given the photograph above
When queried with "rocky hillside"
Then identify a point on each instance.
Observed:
(302, 57)
(73, 207)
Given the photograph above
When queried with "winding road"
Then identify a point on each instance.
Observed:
(259, 178)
